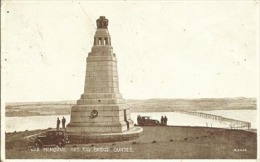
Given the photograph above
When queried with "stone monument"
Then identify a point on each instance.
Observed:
(101, 113)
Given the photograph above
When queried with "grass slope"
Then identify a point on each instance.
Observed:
(155, 143)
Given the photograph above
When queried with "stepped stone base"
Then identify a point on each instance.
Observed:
(113, 114)
(85, 128)
(106, 137)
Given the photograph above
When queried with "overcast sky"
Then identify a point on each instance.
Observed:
(175, 49)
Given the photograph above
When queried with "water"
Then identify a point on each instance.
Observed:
(174, 118)
(179, 119)
(32, 122)
(243, 115)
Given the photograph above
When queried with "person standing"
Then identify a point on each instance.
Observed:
(165, 120)
(63, 122)
(58, 123)
(162, 120)
(138, 119)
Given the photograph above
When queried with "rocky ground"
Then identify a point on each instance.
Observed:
(156, 143)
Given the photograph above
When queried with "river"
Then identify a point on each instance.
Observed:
(174, 119)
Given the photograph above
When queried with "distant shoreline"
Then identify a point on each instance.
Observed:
(37, 114)
(23, 109)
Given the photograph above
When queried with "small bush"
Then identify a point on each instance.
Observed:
(154, 141)
(134, 143)
(171, 140)
(185, 139)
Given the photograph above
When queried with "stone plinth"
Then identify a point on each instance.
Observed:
(106, 137)
(101, 110)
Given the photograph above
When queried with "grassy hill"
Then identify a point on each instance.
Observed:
(155, 143)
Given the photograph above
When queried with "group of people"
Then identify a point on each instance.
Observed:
(63, 123)
(164, 120)
(146, 120)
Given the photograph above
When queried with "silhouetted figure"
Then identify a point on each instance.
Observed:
(138, 119)
(58, 123)
(63, 122)
(162, 120)
(165, 120)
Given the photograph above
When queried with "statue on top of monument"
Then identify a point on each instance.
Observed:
(102, 22)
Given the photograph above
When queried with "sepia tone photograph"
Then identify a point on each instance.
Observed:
(132, 80)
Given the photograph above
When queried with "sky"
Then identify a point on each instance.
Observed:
(176, 49)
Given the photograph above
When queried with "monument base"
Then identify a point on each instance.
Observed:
(130, 134)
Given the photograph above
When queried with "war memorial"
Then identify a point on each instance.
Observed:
(101, 113)
(100, 125)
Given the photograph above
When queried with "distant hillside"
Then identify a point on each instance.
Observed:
(151, 105)
(13, 104)
(38, 108)
(156, 105)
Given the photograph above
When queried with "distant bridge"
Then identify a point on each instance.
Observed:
(232, 123)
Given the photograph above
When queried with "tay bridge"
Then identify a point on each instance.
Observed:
(231, 123)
